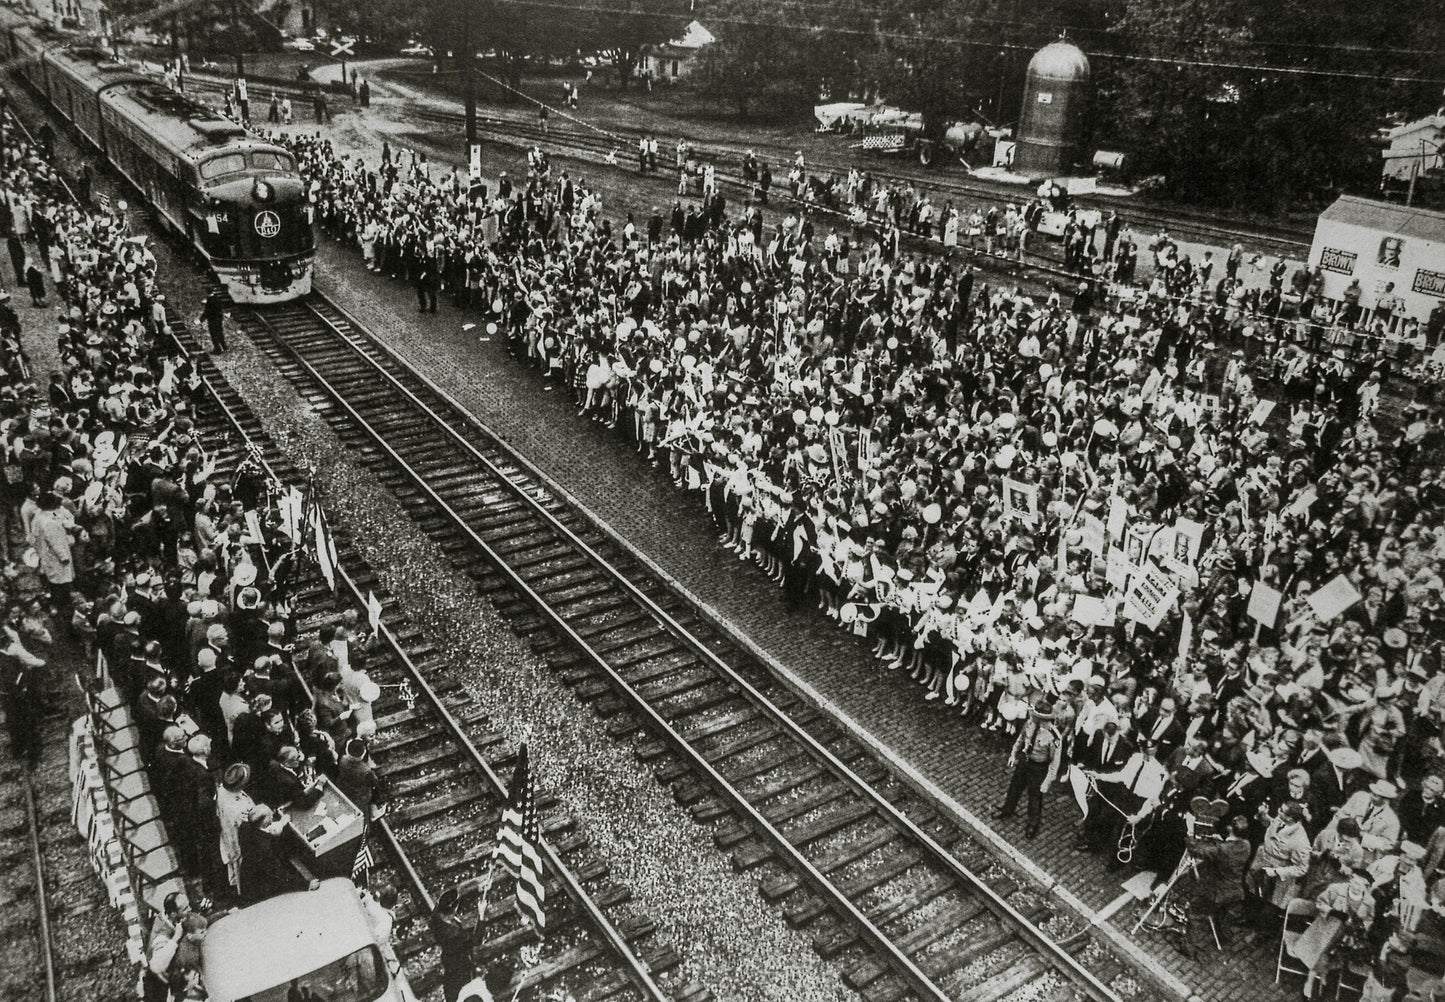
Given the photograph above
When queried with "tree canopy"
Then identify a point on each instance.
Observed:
(1224, 102)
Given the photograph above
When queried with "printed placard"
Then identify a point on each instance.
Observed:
(1188, 536)
(1021, 500)
(1264, 604)
(1335, 597)
(1341, 262)
(1429, 283)
(1151, 595)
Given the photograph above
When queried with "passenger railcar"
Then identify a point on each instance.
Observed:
(239, 201)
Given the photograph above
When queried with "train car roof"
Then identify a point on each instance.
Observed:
(282, 938)
(187, 126)
(94, 67)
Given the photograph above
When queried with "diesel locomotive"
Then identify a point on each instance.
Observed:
(239, 201)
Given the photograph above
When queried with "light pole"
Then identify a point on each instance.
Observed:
(1415, 169)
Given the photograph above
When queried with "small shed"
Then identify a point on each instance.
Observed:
(676, 59)
(1379, 243)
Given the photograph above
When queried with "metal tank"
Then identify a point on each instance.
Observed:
(1054, 118)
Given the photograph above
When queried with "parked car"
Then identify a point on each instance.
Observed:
(415, 48)
(299, 45)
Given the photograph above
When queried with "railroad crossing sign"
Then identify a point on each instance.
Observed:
(343, 48)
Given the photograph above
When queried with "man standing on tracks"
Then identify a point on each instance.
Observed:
(454, 936)
(1035, 760)
(214, 314)
(22, 708)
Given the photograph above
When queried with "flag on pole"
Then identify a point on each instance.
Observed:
(362, 866)
(517, 841)
(323, 549)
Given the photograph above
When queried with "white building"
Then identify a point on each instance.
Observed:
(1414, 147)
(1380, 243)
(676, 59)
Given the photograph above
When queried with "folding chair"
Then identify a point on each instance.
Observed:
(1297, 916)
(1352, 978)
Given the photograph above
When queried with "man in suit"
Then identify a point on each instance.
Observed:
(285, 783)
(1422, 811)
(1334, 781)
(1163, 726)
(1034, 760)
(1106, 751)
(1219, 883)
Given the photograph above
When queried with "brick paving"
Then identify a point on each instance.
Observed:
(641, 504)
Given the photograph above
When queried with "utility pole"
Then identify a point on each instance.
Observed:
(240, 48)
(176, 53)
(469, 92)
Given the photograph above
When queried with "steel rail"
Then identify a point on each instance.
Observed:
(637, 970)
(42, 898)
(846, 908)
(969, 187)
(995, 902)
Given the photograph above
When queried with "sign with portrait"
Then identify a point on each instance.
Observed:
(1341, 262)
(1021, 500)
(1391, 250)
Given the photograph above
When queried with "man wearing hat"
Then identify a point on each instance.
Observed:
(1401, 895)
(1422, 810)
(358, 779)
(1334, 780)
(454, 935)
(1035, 758)
(1379, 825)
(1123, 797)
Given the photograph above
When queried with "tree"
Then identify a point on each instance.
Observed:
(623, 29)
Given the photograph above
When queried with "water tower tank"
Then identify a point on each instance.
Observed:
(1055, 111)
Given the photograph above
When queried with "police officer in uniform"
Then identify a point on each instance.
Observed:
(1035, 761)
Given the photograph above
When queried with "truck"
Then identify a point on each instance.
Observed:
(316, 943)
(884, 128)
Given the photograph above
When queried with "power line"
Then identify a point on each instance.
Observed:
(1304, 71)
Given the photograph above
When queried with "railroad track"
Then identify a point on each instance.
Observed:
(25, 925)
(848, 852)
(965, 192)
(444, 764)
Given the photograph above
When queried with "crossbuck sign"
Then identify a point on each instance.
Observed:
(342, 48)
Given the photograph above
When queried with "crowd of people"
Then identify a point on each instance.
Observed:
(120, 536)
(975, 480)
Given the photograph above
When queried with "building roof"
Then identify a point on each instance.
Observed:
(1387, 218)
(695, 37)
(1429, 124)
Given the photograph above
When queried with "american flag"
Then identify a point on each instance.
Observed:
(361, 867)
(517, 841)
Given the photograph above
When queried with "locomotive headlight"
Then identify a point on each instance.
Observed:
(263, 192)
